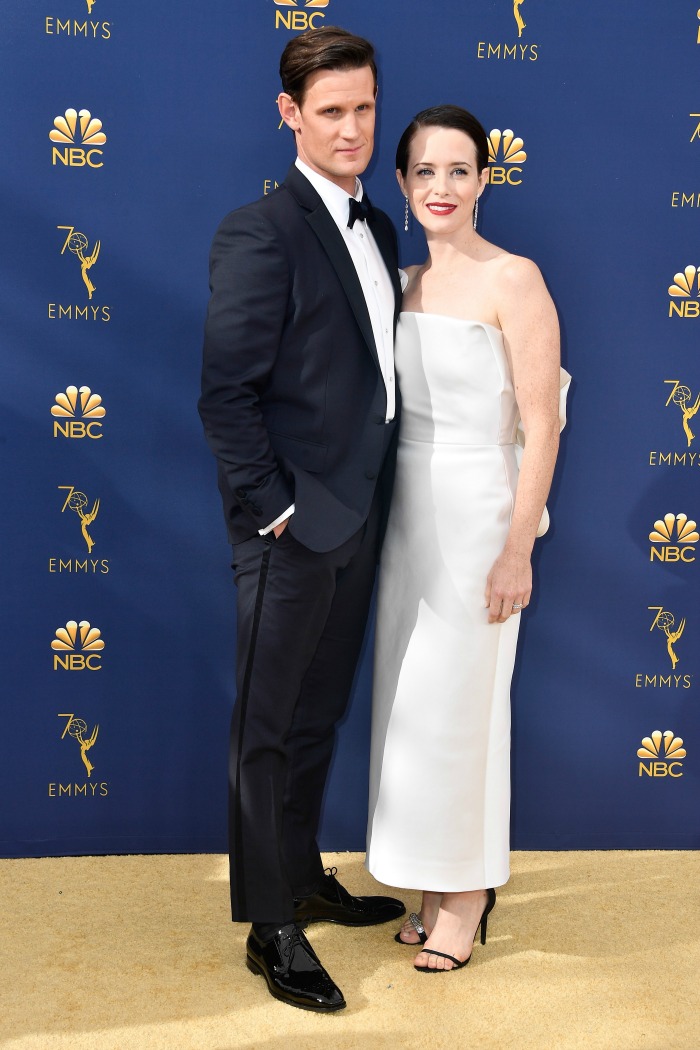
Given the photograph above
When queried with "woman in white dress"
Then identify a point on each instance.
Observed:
(477, 354)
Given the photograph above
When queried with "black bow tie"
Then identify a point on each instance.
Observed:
(359, 210)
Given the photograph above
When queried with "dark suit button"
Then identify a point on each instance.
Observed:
(256, 511)
(370, 475)
(241, 493)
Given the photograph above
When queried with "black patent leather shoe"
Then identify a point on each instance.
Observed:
(292, 970)
(333, 903)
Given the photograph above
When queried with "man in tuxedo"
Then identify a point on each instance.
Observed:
(299, 407)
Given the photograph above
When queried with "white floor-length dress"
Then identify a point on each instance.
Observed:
(440, 759)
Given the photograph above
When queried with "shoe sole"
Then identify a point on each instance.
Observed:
(255, 969)
(345, 922)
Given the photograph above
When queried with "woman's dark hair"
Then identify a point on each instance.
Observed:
(444, 117)
(327, 48)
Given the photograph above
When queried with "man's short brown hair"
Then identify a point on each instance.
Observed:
(328, 48)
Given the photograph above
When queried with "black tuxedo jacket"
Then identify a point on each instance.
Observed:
(293, 400)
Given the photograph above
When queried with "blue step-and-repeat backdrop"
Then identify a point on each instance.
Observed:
(130, 129)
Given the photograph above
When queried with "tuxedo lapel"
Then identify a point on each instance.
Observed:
(322, 223)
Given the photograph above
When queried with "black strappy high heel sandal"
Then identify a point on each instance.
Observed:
(457, 965)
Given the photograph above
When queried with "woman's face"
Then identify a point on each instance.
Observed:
(442, 182)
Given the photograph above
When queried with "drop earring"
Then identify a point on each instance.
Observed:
(405, 217)
(476, 210)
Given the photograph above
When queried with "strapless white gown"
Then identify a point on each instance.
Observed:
(440, 759)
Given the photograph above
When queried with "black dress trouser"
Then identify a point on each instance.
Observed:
(301, 622)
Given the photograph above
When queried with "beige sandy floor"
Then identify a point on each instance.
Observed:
(595, 950)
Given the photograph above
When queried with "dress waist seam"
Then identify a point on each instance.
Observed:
(457, 444)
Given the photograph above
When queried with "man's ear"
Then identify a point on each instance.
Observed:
(289, 111)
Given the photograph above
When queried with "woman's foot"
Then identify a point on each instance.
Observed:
(428, 916)
(454, 930)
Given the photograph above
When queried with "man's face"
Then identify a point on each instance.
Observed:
(334, 126)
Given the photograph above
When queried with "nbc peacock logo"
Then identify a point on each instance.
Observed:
(73, 403)
(77, 646)
(299, 14)
(683, 293)
(79, 134)
(673, 538)
(506, 157)
(663, 753)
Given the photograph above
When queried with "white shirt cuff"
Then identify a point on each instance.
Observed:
(278, 521)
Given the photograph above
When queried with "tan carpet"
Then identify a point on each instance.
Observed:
(595, 950)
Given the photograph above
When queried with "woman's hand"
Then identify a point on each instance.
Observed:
(508, 584)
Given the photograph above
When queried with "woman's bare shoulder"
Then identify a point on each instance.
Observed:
(517, 271)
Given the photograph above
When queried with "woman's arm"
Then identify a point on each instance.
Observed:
(529, 323)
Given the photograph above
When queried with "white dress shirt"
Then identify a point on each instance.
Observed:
(373, 277)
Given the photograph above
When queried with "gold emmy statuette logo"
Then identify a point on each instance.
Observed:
(78, 501)
(66, 408)
(695, 116)
(518, 52)
(512, 156)
(77, 243)
(299, 14)
(665, 621)
(77, 131)
(685, 535)
(683, 287)
(74, 640)
(681, 396)
(517, 4)
(77, 728)
(660, 747)
(90, 5)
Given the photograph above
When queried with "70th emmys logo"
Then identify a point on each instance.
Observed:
(77, 243)
(77, 502)
(67, 408)
(685, 535)
(659, 747)
(73, 641)
(681, 396)
(512, 155)
(682, 289)
(666, 621)
(78, 730)
(297, 14)
(87, 133)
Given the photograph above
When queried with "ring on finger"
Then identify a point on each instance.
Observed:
(517, 606)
